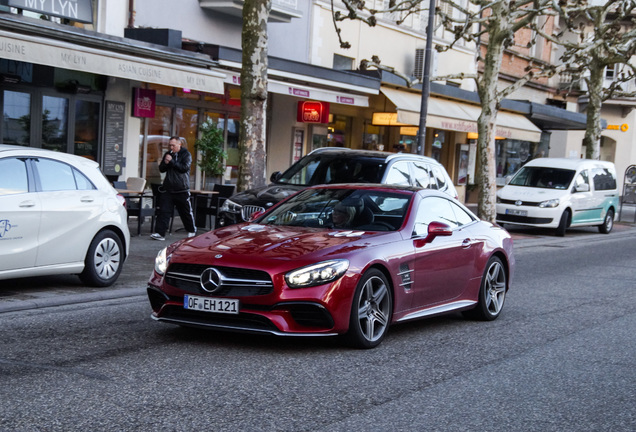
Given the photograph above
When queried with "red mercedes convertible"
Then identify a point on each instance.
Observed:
(337, 260)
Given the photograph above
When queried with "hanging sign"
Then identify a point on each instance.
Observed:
(74, 10)
(313, 112)
(144, 102)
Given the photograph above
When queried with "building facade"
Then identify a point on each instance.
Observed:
(114, 84)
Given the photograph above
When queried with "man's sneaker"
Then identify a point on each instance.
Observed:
(190, 235)
(157, 236)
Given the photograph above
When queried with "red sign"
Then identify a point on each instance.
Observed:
(144, 102)
(313, 112)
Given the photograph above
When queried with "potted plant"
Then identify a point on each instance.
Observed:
(210, 147)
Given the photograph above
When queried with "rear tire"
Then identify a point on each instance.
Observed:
(104, 260)
(608, 223)
(563, 223)
(492, 292)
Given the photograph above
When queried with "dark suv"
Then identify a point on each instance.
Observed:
(338, 165)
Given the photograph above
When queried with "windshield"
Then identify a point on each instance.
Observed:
(543, 177)
(330, 169)
(367, 210)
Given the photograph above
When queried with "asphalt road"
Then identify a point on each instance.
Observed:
(560, 358)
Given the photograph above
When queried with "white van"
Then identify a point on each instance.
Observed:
(560, 193)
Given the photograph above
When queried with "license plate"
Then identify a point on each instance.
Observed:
(517, 212)
(211, 304)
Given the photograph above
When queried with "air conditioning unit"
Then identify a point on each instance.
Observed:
(418, 70)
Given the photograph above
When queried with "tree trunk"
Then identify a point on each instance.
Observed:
(592, 139)
(252, 137)
(487, 122)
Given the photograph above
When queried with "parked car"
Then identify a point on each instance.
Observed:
(59, 215)
(337, 260)
(338, 165)
(560, 193)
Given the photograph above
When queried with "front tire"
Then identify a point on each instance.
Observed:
(104, 260)
(371, 311)
(563, 223)
(608, 223)
(492, 292)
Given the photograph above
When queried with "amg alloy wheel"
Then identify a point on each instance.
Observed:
(371, 310)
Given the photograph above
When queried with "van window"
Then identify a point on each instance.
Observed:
(603, 179)
(543, 177)
(582, 179)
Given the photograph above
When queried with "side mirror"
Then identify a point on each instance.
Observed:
(435, 229)
(275, 176)
(582, 188)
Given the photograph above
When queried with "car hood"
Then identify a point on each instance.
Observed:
(256, 242)
(265, 196)
(531, 194)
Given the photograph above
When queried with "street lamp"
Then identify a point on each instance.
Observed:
(426, 79)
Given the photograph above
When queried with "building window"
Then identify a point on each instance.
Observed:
(342, 62)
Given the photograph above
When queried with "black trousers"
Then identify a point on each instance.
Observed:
(167, 202)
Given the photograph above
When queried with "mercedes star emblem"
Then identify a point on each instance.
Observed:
(211, 280)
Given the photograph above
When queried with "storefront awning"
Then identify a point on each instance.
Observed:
(38, 50)
(457, 116)
(307, 92)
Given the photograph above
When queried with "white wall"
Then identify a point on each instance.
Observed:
(113, 20)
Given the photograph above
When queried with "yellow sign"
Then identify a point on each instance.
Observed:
(623, 128)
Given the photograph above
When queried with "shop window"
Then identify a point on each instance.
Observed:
(511, 155)
(86, 128)
(16, 118)
(54, 123)
(338, 131)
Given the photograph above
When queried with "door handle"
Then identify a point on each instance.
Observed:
(467, 243)
(25, 204)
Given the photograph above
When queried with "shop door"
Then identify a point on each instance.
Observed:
(159, 132)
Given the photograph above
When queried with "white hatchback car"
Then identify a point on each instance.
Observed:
(59, 215)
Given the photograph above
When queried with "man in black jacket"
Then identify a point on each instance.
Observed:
(176, 187)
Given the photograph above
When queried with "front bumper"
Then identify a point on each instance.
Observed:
(529, 215)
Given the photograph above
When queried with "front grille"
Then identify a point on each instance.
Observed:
(514, 202)
(237, 282)
(522, 219)
(248, 210)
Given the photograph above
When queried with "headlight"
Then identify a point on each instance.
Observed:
(230, 207)
(161, 262)
(317, 274)
(549, 203)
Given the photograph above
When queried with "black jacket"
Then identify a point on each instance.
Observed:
(177, 171)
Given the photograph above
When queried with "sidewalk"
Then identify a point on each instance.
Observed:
(40, 292)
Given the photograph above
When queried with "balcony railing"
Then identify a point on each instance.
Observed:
(282, 10)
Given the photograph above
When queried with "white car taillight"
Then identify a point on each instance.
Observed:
(121, 200)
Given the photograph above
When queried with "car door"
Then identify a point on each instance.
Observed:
(444, 266)
(71, 208)
(582, 202)
(20, 213)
